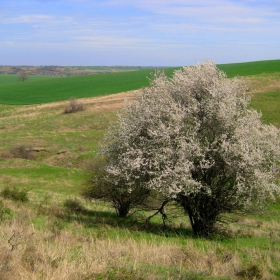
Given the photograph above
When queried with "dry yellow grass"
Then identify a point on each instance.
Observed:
(55, 251)
(105, 103)
(30, 254)
(263, 83)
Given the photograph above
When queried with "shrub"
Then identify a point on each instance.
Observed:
(21, 151)
(14, 194)
(74, 106)
(194, 139)
(252, 272)
(122, 199)
(73, 205)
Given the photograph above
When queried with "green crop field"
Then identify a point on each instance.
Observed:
(44, 89)
(250, 68)
(40, 89)
(44, 238)
(12, 79)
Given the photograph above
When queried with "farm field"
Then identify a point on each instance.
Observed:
(44, 89)
(57, 234)
(250, 68)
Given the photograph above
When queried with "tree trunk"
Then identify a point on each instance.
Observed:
(122, 207)
(202, 213)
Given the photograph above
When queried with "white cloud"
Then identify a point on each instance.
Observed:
(109, 40)
(36, 18)
(160, 28)
(205, 11)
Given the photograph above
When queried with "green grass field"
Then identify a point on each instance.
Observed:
(12, 79)
(44, 89)
(269, 105)
(250, 68)
(42, 239)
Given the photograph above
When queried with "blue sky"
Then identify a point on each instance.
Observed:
(138, 32)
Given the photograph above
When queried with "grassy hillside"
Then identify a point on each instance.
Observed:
(44, 89)
(268, 104)
(47, 238)
(250, 68)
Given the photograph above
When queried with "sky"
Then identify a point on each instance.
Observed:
(138, 32)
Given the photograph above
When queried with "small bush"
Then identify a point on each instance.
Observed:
(74, 107)
(21, 151)
(73, 205)
(15, 194)
(122, 199)
(252, 272)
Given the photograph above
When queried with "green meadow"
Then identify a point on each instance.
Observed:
(57, 234)
(268, 104)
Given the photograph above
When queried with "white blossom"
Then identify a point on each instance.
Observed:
(193, 134)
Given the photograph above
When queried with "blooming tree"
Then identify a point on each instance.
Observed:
(100, 185)
(193, 139)
(22, 76)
